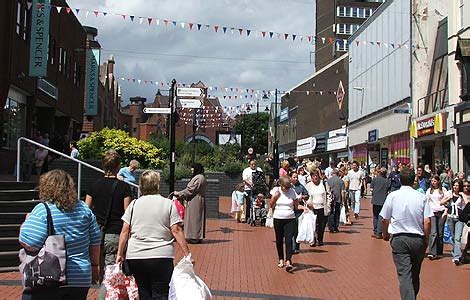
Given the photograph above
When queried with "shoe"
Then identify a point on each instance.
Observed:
(432, 257)
(194, 241)
(289, 268)
(356, 216)
(379, 236)
(320, 243)
(313, 244)
(332, 231)
(336, 230)
(280, 264)
(457, 262)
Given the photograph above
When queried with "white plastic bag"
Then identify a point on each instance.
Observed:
(118, 285)
(269, 219)
(307, 228)
(185, 284)
(342, 215)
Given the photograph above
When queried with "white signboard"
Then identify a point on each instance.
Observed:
(190, 92)
(191, 103)
(337, 139)
(306, 146)
(284, 114)
(155, 110)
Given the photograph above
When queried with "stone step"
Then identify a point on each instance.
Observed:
(9, 230)
(18, 206)
(9, 244)
(12, 218)
(13, 195)
(9, 259)
(13, 185)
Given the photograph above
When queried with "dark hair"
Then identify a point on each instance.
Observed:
(460, 183)
(406, 176)
(355, 162)
(73, 143)
(111, 162)
(420, 167)
(198, 169)
(436, 177)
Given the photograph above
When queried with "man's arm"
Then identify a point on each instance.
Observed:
(385, 234)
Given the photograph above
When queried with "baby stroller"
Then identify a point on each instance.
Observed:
(258, 214)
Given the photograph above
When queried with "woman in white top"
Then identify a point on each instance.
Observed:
(455, 204)
(151, 225)
(317, 190)
(284, 201)
(434, 195)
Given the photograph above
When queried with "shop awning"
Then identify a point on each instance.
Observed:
(463, 49)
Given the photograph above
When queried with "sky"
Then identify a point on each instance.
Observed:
(159, 53)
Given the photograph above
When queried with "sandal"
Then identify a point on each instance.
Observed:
(289, 267)
(280, 265)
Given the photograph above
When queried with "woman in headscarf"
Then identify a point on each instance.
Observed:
(195, 215)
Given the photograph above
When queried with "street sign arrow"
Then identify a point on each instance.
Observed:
(191, 103)
(156, 110)
(190, 92)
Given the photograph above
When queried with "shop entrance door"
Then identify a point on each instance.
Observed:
(427, 156)
(466, 160)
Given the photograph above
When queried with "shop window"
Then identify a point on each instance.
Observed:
(61, 55)
(51, 52)
(19, 9)
(14, 120)
(25, 23)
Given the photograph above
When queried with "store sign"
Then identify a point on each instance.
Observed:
(91, 89)
(431, 125)
(284, 115)
(320, 143)
(373, 136)
(39, 43)
(306, 146)
(337, 139)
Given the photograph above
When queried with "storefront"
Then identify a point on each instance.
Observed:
(434, 139)
(462, 117)
(337, 144)
(14, 118)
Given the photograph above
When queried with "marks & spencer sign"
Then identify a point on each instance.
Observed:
(91, 89)
(39, 44)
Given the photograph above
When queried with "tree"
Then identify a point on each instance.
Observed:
(253, 128)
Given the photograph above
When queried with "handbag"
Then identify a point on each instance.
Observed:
(45, 268)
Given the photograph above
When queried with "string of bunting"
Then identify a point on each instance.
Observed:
(265, 34)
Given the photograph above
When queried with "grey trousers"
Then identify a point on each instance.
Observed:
(111, 242)
(408, 253)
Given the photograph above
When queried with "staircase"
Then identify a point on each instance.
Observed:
(16, 200)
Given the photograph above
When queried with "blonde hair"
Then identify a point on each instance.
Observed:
(312, 167)
(57, 186)
(134, 164)
(284, 181)
(285, 164)
(149, 183)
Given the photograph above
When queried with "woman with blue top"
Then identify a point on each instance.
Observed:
(73, 219)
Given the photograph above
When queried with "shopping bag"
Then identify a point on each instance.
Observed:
(447, 234)
(269, 219)
(342, 215)
(179, 207)
(119, 286)
(185, 284)
(306, 232)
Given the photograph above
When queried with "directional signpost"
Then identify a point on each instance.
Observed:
(190, 92)
(156, 110)
(191, 103)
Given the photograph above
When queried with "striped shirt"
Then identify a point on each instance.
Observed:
(80, 230)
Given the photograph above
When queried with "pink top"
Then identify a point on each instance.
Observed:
(282, 172)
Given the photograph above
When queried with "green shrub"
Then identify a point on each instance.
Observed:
(181, 172)
(96, 144)
(234, 167)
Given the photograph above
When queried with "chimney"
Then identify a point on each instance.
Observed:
(111, 63)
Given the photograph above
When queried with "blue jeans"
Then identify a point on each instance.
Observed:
(436, 244)
(456, 228)
(355, 196)
(377, 221)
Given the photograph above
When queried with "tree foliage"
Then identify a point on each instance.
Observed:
(254, 129)
(96, 144)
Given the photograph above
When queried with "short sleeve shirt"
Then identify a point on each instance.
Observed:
(80, 230)
(285, 204)
(355, 179)
(101, 192)
(152, 218)
(127, 175)
(406, 209)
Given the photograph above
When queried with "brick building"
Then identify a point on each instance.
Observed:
(52, 104)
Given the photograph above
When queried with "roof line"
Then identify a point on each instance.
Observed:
(334, 62)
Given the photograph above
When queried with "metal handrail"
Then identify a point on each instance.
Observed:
(80, 163)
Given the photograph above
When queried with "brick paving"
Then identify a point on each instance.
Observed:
(239, 262)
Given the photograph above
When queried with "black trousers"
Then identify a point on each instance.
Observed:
(152, 277)
(333, 218)
(320, 224)
(66, 293)
(408, 253)
(284, 230)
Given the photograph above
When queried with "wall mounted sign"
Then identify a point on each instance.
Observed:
(373, 136)
(91, 90)
(432, 125)
(284, 115)
(39, 43)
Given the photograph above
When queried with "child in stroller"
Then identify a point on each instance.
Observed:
(258, 210)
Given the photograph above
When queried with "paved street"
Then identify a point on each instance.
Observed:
(238, 261)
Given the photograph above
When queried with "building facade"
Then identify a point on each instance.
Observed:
(52, 103)
(379, 87)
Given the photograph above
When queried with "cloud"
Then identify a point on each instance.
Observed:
(242, 67)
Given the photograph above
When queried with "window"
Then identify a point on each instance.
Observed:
(51, 52)
(342, 45)
(14, 123)
(64, 62)
(346, 28)
(19, 9)
(354, 12)
(75, 72)
(25, 23)
(79, 75)
(61, 54)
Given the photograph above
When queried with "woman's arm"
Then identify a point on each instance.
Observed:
(273, 200)
(127, 201)
(191, 189)
(89, 200)
(95, 262)
(178, 233)
(123, 237)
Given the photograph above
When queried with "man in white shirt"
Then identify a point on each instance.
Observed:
(247, 177)
(355, 178)
(73, 149)
(329, 170)
(406, 219)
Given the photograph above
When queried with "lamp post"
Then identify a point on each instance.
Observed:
(275, 142)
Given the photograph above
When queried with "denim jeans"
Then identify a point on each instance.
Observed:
(456, 228)
(355, 200)
(377, 219)
(436, 243)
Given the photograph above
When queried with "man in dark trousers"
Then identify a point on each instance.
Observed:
(406, 220)
(380, 186)
(336, 185)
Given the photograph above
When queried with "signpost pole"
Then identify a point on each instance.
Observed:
(275, 144)
(193, 154)
(173, 96)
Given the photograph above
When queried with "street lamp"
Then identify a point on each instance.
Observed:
(275, 142)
